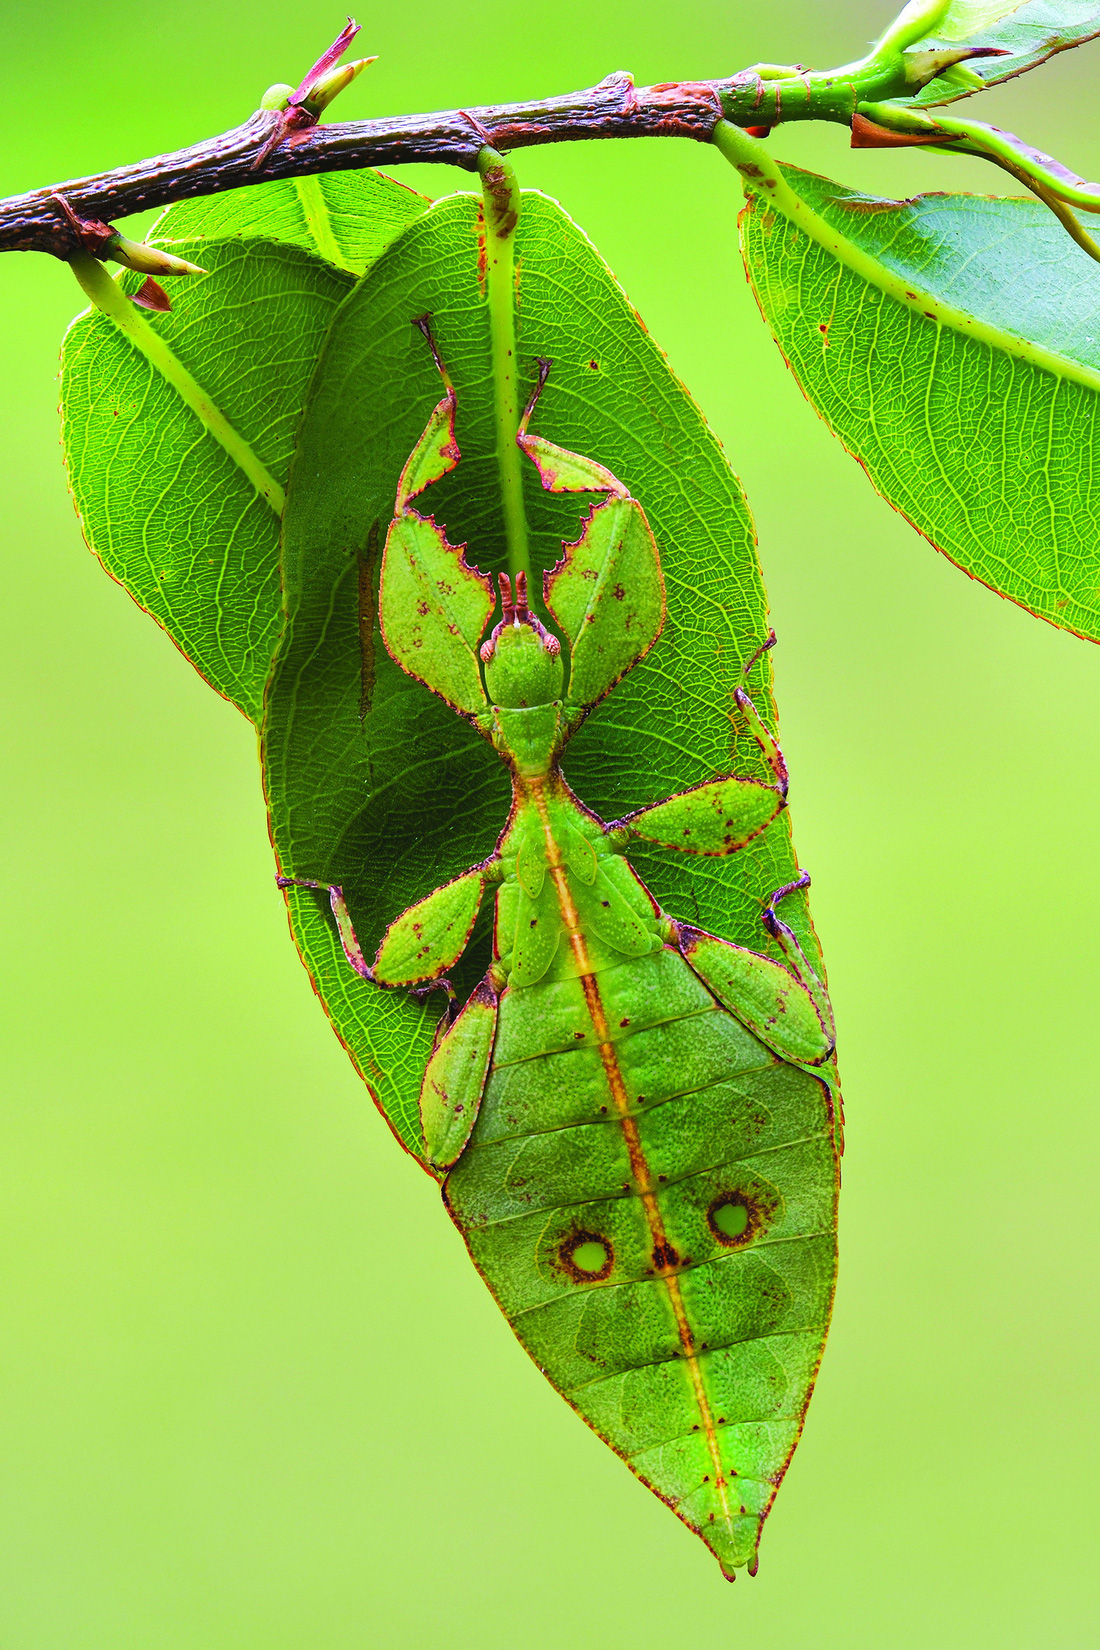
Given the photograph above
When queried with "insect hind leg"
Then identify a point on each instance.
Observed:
(764, 738)
(797, 961)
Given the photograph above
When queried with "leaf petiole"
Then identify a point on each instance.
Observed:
(500, 193)
(108, 297)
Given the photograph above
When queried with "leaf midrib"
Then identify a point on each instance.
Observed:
(318, 220)
(767, 186)
(108, 297)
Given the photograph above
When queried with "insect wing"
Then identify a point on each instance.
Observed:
(538, 929)
(606, 913)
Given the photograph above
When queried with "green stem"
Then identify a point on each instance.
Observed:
(501, 195)
(108, 297)
(915, 21)
(765, 180)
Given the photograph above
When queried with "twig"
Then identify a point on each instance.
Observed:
(613, 109)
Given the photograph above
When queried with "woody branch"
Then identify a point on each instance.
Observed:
(613, 109)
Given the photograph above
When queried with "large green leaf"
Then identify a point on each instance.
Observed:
(1027, 34)
(376, 784)
(950, 342)
(347, 218)
(172, 513)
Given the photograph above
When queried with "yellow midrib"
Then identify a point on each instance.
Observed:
(638, 1164)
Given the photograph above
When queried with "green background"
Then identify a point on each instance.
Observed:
(252, 1394)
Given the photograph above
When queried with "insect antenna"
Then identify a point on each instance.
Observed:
(544, 373)
(507, 606)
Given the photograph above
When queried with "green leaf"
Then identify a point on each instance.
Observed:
(373, 782)
(347, 218)
(950, 342)
(169, 511)
(1027, 34)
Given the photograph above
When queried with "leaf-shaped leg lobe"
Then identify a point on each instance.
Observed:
(561, 471)
(720, 815)
(423, 942)
(716, 817)
(433, 608)
(607, 594)
(787, 1007)
(436, 453)
(428, 938)
(761, 993)
(450, 1095)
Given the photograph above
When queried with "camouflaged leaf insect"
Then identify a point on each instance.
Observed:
(629, 1116)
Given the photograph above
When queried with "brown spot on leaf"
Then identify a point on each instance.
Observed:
(592, 1248)
(737, 1216)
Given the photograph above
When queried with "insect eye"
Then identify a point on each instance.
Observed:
(731, 1219)
(587, 1257)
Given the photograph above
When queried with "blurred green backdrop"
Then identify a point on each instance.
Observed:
(252, 1393)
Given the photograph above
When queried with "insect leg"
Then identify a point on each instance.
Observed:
(421, 944)
(717, 817)
(721, 815)
(797, 961)
(766, 740)
(786, 1007)
(352, 949)
(450, 1095)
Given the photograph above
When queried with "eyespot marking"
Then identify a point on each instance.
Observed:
(587, 1257)
(733, 1219)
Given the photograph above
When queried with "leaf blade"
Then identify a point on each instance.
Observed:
(991, 382)
(399, 802)
(169, 512)
(347, 218)
(1027, 34)
(165, 505)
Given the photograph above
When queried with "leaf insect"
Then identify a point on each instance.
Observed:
(629, 1115)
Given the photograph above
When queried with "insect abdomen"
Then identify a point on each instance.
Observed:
(661, 1240)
